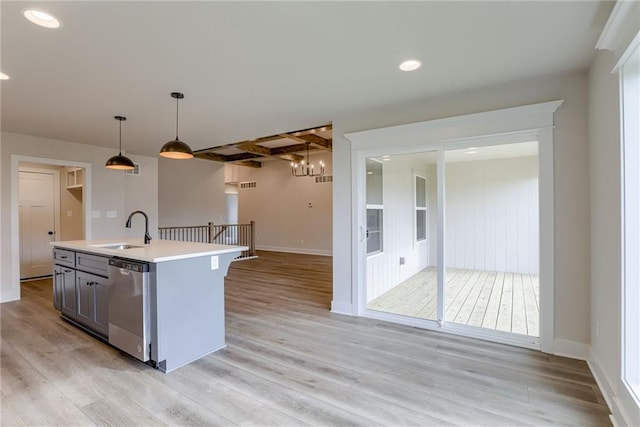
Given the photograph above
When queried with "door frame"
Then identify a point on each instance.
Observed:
(56, 196)
(518, 124)
(16, 159)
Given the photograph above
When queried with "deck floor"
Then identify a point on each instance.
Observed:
(488, 299)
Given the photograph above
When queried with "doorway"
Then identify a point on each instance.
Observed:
(51, 208)
(431, 215)
(38, 202)
(83, 216)
(490, 279)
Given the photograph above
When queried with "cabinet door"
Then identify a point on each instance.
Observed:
(93, 302)
(58, 281)
(67, 285)
(84, 297)
(100, 313)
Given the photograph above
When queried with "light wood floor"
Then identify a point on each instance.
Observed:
(290, 362)
(488, 299)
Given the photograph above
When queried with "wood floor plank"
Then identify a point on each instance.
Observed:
(518, 312)
(289, 361)
(506, 304)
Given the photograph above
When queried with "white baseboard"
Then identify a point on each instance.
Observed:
(9, 296)
(620, 416)
(341, 307)
(603, 381)
(305, 251)
(572, 349)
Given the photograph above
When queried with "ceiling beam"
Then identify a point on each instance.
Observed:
(287, 149)
(249, 163)
(318, 141)
(211, 156)
(252, 147)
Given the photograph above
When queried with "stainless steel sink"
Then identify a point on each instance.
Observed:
(118, 246)
(121, 247)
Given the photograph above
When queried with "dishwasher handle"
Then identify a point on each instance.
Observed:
(128, 264)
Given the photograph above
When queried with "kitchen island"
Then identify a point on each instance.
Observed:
(161, 302)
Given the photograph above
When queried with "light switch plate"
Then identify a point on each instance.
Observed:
(112, 214)
(95, 214)
(214, 262)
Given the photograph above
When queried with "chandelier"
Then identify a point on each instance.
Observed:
(306, 169)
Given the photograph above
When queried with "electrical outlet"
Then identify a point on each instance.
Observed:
(401, 260)
(214, 262)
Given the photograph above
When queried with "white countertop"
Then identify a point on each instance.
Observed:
(156, 251)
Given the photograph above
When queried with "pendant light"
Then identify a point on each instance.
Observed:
(176, 149)
(120, 162)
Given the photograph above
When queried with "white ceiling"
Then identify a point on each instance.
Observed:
(250, 69)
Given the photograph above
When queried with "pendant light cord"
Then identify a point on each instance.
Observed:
(120, 147)
(177, 101)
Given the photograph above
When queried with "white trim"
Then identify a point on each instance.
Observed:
(619, 416)
(441, 250)
(516, 124)
(340, 307)
(571, 349)
(304, 251)
(614, 29)
(14, 293)
(485, 334)
(477, 125)
(626, 55)
(547, 245)
(604, 382)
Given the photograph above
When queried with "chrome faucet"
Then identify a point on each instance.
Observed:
(147, 237)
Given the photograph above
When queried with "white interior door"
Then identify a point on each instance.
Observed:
(37, 222)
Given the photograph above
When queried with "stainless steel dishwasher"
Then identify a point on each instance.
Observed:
(129, 307)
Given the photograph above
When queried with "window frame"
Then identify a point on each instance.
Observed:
(416, 208)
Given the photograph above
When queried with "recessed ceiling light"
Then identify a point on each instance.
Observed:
(471, 152)
(41, 18)
(410, 65)
(3, 76)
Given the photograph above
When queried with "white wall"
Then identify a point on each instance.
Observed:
(492, 215)
(110, 191)
(190, 192)
(280, 207)
(571, 183)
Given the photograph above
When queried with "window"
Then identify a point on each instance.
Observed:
(375, 207)
(630, 111)
(421, 208)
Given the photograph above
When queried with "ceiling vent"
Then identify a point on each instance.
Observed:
(324, 179)
(134, 171)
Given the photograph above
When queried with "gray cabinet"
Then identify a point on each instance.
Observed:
(80, 289)
(64, 290)
(92, 302)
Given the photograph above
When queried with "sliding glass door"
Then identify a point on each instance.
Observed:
(452, 238)
(402, 226)
(492, 238)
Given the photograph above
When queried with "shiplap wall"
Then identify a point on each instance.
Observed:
(384, 270)
(492, 215)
